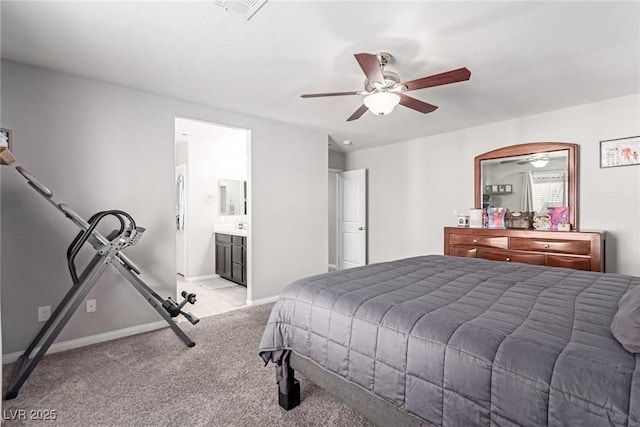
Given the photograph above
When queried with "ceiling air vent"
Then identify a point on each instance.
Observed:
(245, 8)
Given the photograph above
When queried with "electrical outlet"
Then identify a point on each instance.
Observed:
(44, 313)
(91, 306)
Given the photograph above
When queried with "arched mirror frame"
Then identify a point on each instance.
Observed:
(535, 148)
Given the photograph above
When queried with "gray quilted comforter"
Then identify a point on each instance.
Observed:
(462, 342)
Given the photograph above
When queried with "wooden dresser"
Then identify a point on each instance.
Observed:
(572, 249)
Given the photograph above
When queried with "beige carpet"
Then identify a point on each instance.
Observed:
(152, 379)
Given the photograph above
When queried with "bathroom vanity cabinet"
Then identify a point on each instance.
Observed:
(231, 255)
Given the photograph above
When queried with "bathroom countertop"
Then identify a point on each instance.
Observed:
(229, 229)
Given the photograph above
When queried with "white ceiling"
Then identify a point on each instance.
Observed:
(525, 57)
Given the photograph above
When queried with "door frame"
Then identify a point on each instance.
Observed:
(185, 233)
(339, 207)
(248, 217)
(338, 210)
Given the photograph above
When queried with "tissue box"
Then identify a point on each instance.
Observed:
(463, 221)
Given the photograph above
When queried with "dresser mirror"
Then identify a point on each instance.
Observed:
(529, 178)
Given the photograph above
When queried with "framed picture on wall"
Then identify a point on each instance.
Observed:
(5, 139)
(620, 152)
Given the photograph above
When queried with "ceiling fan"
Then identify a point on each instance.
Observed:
(537, 161)
(383, 89)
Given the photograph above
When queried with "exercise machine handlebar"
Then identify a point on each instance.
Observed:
(39, 187)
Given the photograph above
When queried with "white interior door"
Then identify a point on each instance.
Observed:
(181, 207)
(353, 219)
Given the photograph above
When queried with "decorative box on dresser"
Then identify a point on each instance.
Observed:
(582, 250)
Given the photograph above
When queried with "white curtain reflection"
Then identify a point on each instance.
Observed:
(548, 188)
(526, 203)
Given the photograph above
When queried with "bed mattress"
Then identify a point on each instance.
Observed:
(463, 341)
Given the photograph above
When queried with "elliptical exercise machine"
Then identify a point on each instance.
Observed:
(108, 251)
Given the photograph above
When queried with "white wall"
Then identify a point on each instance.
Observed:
(414, 186)
(337, 160)
(99, 146)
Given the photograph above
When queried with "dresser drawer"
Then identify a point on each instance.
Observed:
(501, 242)
(577, 263)
(462, 251)
(577, 250)
(578, 247)
(511, 256)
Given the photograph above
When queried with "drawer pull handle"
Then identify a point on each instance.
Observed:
(546, 246)
(475, 240)
(508, 259)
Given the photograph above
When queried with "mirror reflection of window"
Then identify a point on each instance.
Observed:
(548, 189)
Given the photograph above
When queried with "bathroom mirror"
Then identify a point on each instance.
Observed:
(232, 197)
(528, 177)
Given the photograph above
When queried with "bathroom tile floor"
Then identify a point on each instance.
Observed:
(213, 296)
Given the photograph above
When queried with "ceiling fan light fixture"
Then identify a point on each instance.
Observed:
(540, 163)
(382, 103)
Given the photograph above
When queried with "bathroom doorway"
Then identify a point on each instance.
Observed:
(209, 160)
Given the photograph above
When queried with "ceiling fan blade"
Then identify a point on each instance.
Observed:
(416, 104)
(371, 67)
(359, 112)
(317, 95)
(453, 76)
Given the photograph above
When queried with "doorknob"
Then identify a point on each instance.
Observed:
(361, 228)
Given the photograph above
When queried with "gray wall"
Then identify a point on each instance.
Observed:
(337, 160)
(99, 146)
(415, 186)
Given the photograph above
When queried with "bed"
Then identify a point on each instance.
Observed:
(449, 341)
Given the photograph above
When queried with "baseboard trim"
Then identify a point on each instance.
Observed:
(333, 267)
(262, 301)
(92, 339)
(199, 278)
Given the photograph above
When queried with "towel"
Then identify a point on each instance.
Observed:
(180, 202)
